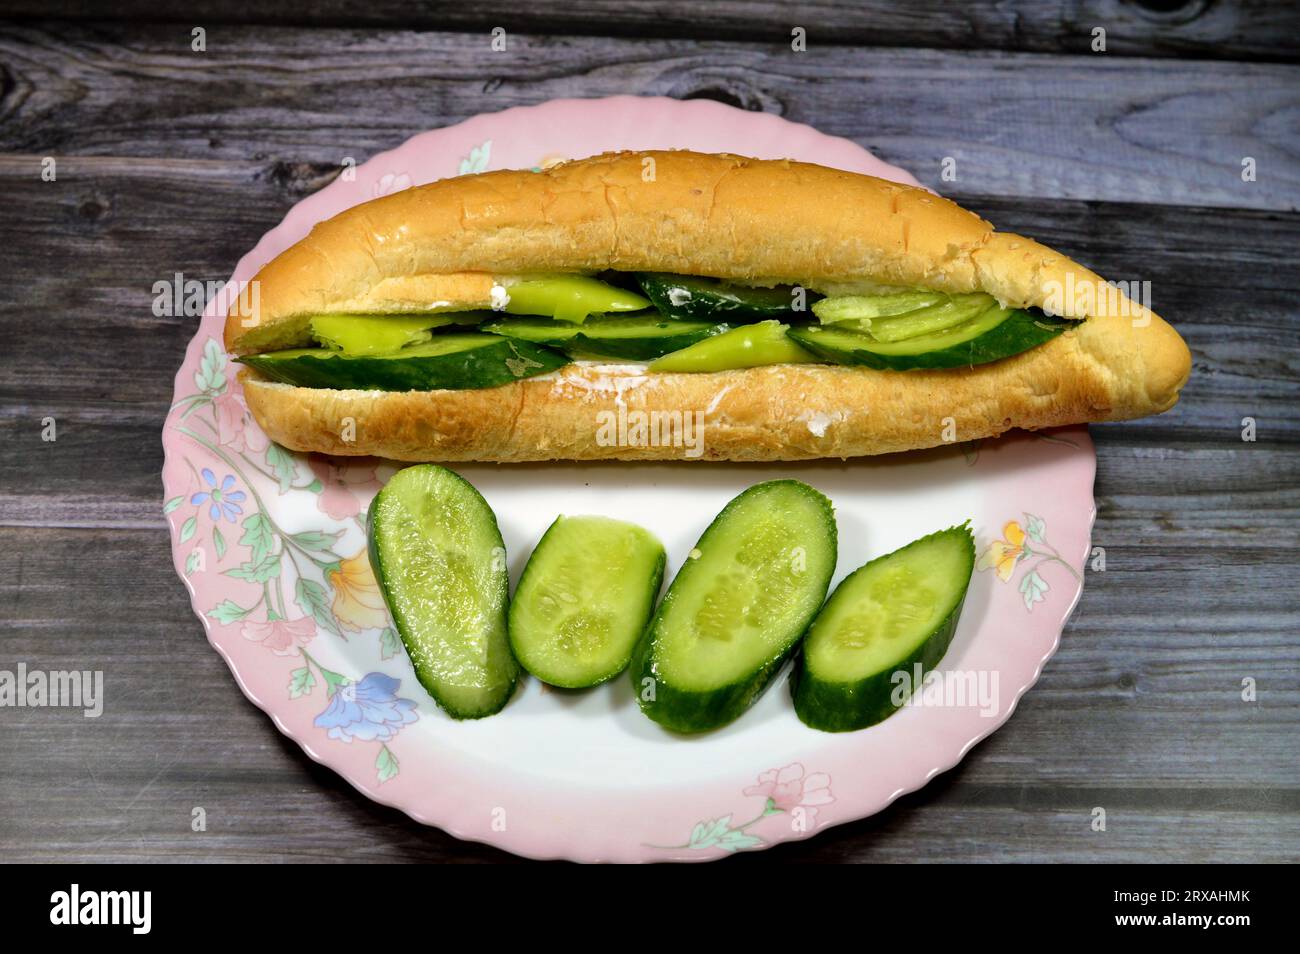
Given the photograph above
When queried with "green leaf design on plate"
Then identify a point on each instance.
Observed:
(389, 643)
(707, 834)
(192, 561)
(188, 528)
(386, 765)
(313, 599)
(257, 571)
(316, 541)
(227, 611)
(172, 504)
(738, 841)
(1035, 528)
(218, 542)
(1033, 588)
(211, 378)
(257, 537)
(477, 160)
(281, 463)
(333, 680)
(301, 682)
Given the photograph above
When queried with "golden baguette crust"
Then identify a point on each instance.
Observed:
(1104, 370)
(439, 246)
(749, 220)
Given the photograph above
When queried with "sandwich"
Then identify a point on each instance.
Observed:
(669, 305)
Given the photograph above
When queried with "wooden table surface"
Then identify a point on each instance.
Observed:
(1130, 160)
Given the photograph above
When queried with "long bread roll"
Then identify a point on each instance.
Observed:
(759, 222)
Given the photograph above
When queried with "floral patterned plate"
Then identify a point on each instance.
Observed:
(272, 547)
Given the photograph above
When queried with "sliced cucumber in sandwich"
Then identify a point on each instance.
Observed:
(639, 337)
(737, 607)
(864, 307)
(995, 334)
(709, 299)
(584, 600)
(886, 622)
(440, 562)
(460, 360)
(543, 331)
(947, 313)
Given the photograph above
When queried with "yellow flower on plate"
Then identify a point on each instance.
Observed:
(358, 604)
(1004, 554)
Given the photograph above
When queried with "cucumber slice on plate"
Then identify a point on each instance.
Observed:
(440, 562)
(749, 346)
(737, 607)
(893, 614)
(584, 599)
(710, 299)
(461, 360)
(996, 334)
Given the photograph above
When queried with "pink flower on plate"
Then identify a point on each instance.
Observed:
(789, 788)
(236, 428)
(284, 637)
(337, 499)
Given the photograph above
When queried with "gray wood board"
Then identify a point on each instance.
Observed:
(1086, 127)
(1225, 29)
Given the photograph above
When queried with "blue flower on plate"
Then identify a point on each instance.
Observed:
(220, 500)
(368, 710)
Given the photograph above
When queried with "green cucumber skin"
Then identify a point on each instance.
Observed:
(654, 585)
(472, 369)
(546, 332)
(583, 339)
(693, 711)
(639, 349)
(711, 304)
(1019, 333)
(835, 707)
(408, 642)
(846, 707)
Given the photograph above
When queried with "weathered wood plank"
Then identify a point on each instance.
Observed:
(1087, 127)
(1241, 29)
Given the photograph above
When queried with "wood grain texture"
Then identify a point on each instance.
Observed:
(1228, 29)
(1156, 131)
(166, 165)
